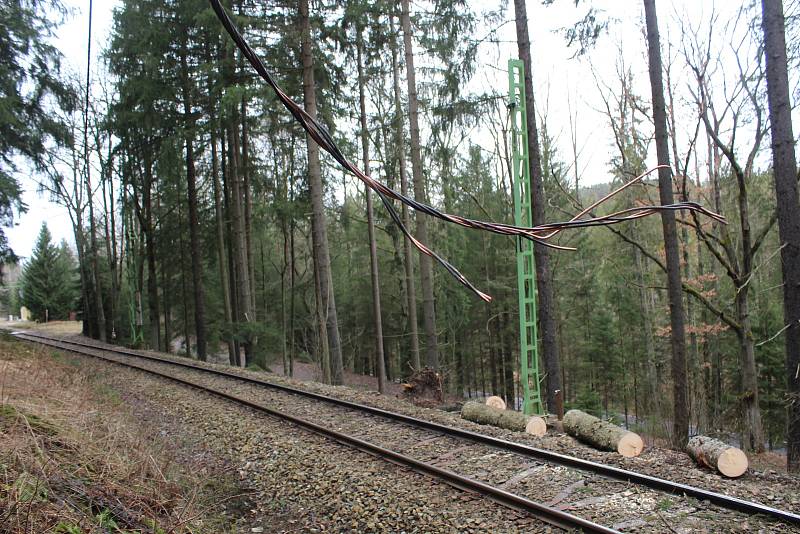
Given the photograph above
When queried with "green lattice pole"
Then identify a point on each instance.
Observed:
(526, 271)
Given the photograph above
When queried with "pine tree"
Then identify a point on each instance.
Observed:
(322, 260)
(49, 285)
(678, 338)
(425, 262)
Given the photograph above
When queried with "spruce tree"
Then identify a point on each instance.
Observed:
(67, 297)
(49, 288)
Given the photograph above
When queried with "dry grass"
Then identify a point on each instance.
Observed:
(73, 460)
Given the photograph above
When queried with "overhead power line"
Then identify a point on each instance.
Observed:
(539, 234)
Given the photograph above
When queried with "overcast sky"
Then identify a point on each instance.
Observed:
(562, 83)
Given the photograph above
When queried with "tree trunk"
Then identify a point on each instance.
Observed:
(710, 452)
(680, 432)
(425, 262)
(76, 216)
(692, 364)
(137, 240)
(97, 288)
(292, 271)
(248, 208)
(653, 396)
(704, 389)
(221, 256)
(284, 272)
(319, 233)
(140, 284)
(152, 281)
(194, 238)
(86, 327)
(785, 170)
(752, 431)
(166, 298)
(509, 362)
(323, 346)
(408, 261)
(495, 402)
(373, 249)
(495, 363)
(544, 283)
(715, 371)
(229, 170)
(240, 260)
(480, 413)
(95, 264)
(111, 237)
(602, 434)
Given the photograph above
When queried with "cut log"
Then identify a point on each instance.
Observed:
(716, 454)
(536, 426)
(496, 402)
(602, 434)
(480, 413)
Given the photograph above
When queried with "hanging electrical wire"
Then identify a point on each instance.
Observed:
(539, 234)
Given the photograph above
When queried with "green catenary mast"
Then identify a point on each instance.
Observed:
(526, 268)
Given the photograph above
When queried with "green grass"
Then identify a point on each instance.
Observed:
(664, 504)
(67, 528)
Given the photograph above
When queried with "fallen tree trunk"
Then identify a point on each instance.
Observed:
(602, 434)
(716, 454)
(480, 413)
(496, 402)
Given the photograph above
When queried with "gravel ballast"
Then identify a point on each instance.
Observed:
(322, 485)
(611, 503)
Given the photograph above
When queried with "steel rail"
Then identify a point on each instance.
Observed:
(540, 511)
(669, 486)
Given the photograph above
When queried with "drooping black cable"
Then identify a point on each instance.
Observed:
(322, 137)
(320, 134)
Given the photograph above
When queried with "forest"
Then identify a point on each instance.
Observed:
(208, 223)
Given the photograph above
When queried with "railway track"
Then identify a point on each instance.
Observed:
(434, 449)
